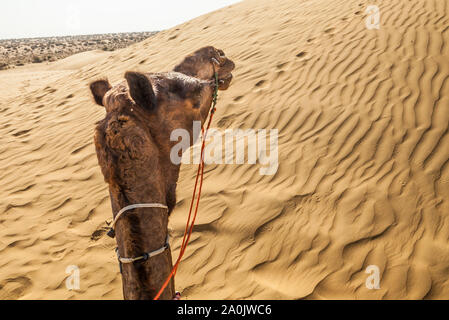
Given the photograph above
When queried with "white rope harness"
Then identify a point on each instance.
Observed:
(135, 206)
(147, 255)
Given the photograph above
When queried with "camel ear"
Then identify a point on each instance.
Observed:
(99, 89)
(141, 90)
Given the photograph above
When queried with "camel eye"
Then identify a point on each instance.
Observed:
(221, 53)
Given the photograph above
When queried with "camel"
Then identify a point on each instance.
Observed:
(133, 149)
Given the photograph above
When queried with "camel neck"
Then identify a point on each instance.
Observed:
(139, 231)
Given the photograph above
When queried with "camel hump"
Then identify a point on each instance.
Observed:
(141, 90)
(99, 89)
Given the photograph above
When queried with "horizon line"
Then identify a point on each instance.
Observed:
(78, 35)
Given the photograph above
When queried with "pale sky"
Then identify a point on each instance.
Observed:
(43, 18)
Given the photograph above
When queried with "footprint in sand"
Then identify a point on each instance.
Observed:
(21, 133)
(226, 121)
(97, 234)
(14, 288)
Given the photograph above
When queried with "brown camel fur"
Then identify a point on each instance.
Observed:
(133, 148)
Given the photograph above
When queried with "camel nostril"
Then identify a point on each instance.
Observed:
(232, 64)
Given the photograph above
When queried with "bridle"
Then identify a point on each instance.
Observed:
(111, 232)
(148, 255)
(145, 256)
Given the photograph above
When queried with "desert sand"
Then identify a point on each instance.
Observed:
(363, 174)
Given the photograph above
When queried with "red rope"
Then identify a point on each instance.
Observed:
(189, 226)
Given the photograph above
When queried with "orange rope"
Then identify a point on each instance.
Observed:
(189, 226)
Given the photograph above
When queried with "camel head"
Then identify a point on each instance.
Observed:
(203, 64)
(133, 147)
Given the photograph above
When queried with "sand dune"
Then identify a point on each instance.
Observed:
(363, 174)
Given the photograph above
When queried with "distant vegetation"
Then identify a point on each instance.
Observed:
(17, 52)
